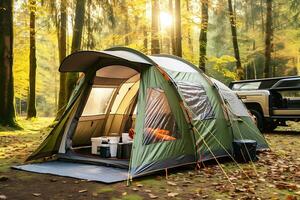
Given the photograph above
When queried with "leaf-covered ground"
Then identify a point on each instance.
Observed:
(275, 176)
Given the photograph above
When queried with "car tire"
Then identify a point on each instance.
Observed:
(259, 119)
(270, 126)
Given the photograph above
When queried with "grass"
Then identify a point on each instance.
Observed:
(16, 145)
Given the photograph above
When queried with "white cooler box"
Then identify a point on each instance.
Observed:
(96, 142)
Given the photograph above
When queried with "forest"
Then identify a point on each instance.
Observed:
(228, 39)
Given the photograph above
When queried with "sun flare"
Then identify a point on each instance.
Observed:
(165, 19)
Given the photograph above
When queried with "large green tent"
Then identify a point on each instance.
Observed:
(121, 88)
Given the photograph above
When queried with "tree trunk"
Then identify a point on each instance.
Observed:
(262, 17)
(90, 40)
(178, 39)
(72, 77)
(189, 32)
(145, 41)
(7, 109)
(31, 110)
(155, 28)
(62, 100)
(203, 34)
(124, 9)
(268, 40)
(239, 70)
(172, 27)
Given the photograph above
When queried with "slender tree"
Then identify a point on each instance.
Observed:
(239, 69)
(178, 39)
(76, 44)
(171, 28)
(268, 40)
(7, 110)
(31, 110)
(62, 100)
(189, 31)
(145, 40)
(124, 9)
(155, 28)
(203, 34)
(262, 17)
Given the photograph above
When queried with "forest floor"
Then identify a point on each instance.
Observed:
(275, 176)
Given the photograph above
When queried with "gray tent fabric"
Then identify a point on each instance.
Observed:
(77, 170)
(235, 104)
(196, 98)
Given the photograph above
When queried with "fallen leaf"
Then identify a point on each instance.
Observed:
(172, 194)
(152, 196)
(124, 193)
(3, 197)
(290, 197)
(283, 185)
(82, 191)
(262, 180)
(36, 194)
(94, 194)
(139, 185)
(171, 183)
(148, 191)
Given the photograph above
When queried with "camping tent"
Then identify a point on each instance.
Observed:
(122, 88)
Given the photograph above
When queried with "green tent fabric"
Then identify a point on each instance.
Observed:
(182, 115)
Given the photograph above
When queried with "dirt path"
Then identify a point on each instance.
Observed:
(275, 176)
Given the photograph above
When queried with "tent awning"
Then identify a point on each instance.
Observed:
(81, 61)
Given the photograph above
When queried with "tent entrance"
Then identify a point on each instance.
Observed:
(109, 110)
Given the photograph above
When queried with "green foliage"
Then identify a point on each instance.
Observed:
(221, 68)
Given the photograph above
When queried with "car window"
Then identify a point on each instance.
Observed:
(246, 86)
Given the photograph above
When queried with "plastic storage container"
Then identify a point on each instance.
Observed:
(126, 138)
(124, 150)
(104, 150)
(113, 139)
(245, 150)
(96, 142)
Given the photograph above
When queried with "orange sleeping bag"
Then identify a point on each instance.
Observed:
(160, 134)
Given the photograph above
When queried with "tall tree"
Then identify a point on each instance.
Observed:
(62, 100)
(189, 32)
(239, 69)
(203, 34)
(268, 40)
(171, 28)
(155, 27)
(7, 110)
(124, 9)
(76, 44)
(178, 39)
(31, 110)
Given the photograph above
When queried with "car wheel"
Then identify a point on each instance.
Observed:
(270, 126)
(259, 119)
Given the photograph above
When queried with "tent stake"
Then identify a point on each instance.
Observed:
(166, 170)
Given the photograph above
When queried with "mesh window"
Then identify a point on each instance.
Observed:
(197, 100)
(159, 122)
(98, 101)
